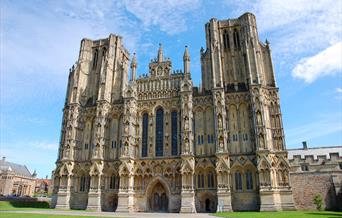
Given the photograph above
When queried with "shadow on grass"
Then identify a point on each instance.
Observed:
(331, 215)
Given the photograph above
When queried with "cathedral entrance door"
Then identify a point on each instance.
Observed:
(207, 205)
(159, 200)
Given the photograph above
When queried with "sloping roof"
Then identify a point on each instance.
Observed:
(321, 151)
(16, 168)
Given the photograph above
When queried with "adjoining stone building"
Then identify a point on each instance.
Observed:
(157, 143)
(16, 179)
(316, 171)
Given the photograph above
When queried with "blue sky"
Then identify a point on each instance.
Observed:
(40, 41)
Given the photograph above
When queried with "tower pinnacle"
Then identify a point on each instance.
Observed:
(160, 53)
(186, 60)
(134, 67)
(186, 56)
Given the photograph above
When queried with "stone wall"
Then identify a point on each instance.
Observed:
(306, 185)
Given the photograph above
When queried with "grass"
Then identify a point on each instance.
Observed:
(25, 215)
(20, 205)
(283, 214)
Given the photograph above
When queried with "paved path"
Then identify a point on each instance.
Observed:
(112, 214)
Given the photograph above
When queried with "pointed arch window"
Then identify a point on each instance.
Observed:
(200, 181)
(159, 131)
(249, 180)
(174, 150)
(238, 181)
(236, 40)
(210, 180)
(226, 40)
(144, 135)
(82, 183)
(96, 54)
(114, 182)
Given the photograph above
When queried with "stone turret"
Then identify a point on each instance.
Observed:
(186, 60)
(134, 67)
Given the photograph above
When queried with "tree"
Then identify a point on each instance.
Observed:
(318, 201)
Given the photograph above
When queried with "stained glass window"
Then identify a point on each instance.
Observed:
(159, 131)
(144, 135)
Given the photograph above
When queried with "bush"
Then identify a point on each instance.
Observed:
(318, 201)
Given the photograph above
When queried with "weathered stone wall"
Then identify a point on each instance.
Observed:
(306, 185)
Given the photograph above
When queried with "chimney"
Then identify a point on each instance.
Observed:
(3, 158)
(305, 146)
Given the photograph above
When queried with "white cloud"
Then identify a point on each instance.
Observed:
(300, 25)
(339, 95)
(44, 145)
(169, 15)
(326, 62)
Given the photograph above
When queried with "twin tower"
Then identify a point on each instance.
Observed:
(157, 143)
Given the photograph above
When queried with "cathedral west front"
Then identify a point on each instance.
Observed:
(158, 143)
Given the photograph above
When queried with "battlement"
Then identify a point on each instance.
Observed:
(323, 159)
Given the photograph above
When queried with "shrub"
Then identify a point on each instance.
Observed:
(318, 201)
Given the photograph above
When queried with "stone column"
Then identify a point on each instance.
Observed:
(96, 186)
(187, 154)
(63, 194)
(65, 162)
(273, 196)
(222, 156)
(129, 143)
(126, 192)
(96, 170)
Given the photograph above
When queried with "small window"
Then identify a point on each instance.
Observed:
(305, 167)
(340, 164)
(199, 140)
(200, 181)
(112, 144)
(209, 139)
(202, 139)
(86, 146)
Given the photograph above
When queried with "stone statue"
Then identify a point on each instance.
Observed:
(220, 124)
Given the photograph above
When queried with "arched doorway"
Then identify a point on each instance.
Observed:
(207, 205)
(159, 200)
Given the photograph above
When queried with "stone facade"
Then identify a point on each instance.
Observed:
(15, 179)
(157, 143)
(316, 171)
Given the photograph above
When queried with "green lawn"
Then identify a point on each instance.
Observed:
(25, 215)
(283, 214)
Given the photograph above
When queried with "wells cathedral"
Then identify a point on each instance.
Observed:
(158, 143)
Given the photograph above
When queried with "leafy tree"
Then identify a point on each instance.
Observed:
(318, 201)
